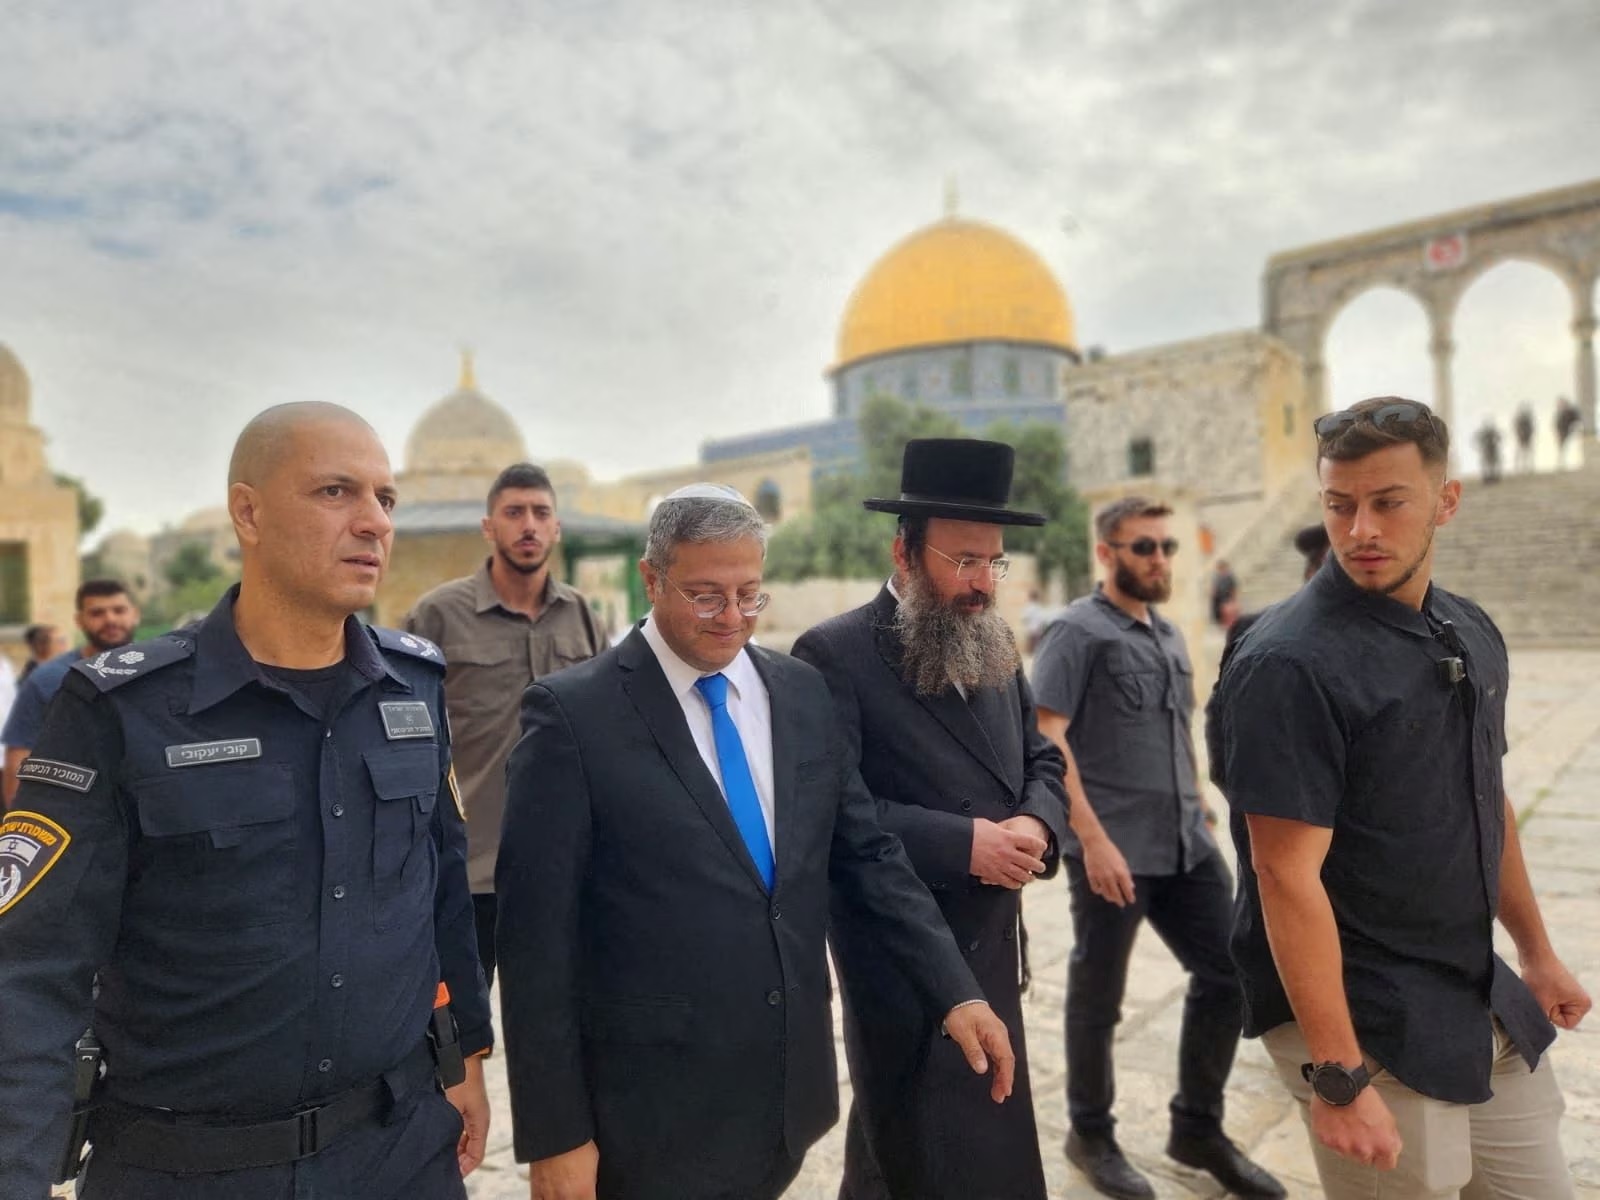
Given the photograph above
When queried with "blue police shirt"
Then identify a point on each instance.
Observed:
(270, 897)
(33, 699)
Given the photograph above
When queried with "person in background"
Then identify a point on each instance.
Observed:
(108, 618)
(1116, 694)
(508, 623)
(44, 642)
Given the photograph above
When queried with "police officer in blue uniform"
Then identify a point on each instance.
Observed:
(237, 854)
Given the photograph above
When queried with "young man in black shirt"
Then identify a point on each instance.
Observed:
(1358, 735)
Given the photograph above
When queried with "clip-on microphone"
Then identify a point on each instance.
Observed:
(1452, 670)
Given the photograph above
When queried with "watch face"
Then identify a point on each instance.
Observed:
(1335, 1085)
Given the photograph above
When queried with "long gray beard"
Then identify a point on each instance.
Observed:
(942, 646)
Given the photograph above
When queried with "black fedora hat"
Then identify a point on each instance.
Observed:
(960, 478)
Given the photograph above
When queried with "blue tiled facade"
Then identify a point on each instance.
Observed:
(976, 383)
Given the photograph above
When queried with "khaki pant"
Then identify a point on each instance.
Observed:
(1507, 1148)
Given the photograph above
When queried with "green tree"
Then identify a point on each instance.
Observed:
(1038, 484)
(194, 582)
(90, 507)
(839, 538)
(191, 564)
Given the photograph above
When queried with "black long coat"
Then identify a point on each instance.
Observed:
(655, 997)
(922, 1126)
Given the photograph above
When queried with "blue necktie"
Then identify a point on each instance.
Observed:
(737, 783)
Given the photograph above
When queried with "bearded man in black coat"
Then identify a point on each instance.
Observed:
(937, 713)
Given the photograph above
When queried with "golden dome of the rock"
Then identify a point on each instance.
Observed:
(955, 281)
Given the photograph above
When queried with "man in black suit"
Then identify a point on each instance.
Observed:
(927, 682)
(678, 812)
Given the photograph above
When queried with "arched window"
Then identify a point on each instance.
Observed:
(769, 501)
(1141, 457)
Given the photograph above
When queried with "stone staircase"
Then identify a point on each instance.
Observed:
(1526, 548)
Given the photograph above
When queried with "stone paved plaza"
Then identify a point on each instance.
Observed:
(1552, 771)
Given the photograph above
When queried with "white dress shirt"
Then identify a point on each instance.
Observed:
(748, 705)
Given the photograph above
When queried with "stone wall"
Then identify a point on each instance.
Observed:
(44, 518)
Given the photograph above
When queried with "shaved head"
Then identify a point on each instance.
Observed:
(271, 434)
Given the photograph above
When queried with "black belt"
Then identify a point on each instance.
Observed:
(156, 1140)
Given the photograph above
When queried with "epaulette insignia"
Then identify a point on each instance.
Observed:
(113, 668)
(407, 643)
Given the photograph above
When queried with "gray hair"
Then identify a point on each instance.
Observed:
(701, 518)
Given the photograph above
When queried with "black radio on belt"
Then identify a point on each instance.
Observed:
(88, 1059)
(442, 1036)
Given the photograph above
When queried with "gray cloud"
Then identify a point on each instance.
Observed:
(647, 218)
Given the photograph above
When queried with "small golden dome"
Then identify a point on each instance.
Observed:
(464, 433)
(955, 281)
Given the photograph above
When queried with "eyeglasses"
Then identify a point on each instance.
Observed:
(1145, 547)
(968, 568)
(706, 605)
(1401, 412)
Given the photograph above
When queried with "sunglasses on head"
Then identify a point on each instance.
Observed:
(1401, 412)
(1145, 547)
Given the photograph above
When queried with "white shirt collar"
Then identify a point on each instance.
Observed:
(893, 591)
(681, 677)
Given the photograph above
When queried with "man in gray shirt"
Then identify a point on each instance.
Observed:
(505, 625)
(1115, 691)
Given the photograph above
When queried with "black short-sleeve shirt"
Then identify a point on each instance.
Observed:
(1333, 711)
(1127, 689)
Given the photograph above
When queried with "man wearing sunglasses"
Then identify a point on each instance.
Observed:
(1116, 694)
(679, 812)
(927, 684)
(1358, 732)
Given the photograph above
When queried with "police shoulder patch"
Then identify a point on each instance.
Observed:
(113, 668)
(30, 844)
(407, 643)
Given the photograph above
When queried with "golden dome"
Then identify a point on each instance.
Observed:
(955, 281)
(465, 433)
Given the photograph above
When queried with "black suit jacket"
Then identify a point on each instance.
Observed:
(934, 765)
(655, 998)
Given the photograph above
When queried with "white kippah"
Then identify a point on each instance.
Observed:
(708, 491)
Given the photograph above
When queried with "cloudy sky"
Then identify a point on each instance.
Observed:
(647, 216)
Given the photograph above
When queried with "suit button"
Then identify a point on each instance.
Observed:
(1011, 802)
(1010, 933)
(776, 912)
(966, 806)
(972, 946)
(325, 1065)
(774, 997)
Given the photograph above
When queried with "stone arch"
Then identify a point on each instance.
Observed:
(1437, 258)
(1353, 323)
(1512, 323)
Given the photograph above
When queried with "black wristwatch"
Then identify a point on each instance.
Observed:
(1335, 1084)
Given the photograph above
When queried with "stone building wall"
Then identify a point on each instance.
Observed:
(1223, 418)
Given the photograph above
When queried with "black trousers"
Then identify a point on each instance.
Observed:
(1192, 913)
(483, 915)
